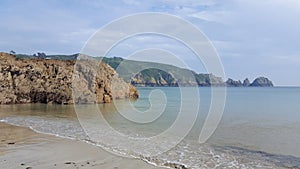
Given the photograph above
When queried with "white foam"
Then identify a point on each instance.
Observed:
(187, 153)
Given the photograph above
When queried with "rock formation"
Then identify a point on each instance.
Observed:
(262, 82)
(258, 82)
(233, 83)
(246, 82)
(54, 81)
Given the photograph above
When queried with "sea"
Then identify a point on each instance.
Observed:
(258, 127)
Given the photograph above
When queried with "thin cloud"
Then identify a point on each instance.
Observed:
(213, 16)
(246, 33)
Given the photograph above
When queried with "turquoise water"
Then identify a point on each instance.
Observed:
(259, 127)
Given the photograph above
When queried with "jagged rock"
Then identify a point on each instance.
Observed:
(54, 81)
(246, 82)
(262, 82)
(233, 83)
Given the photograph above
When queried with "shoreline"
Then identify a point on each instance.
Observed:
(21, 147)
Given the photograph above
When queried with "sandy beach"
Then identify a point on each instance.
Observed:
(23, 148)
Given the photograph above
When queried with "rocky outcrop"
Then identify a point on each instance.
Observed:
(246, 82)
(258, 82)
(233, 83)
(262, 82)
(54, 81)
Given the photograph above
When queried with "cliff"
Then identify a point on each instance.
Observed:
(157, 74)
(52, 81)
(140, 73)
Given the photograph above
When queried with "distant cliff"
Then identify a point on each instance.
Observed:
(51, 81)
(140, 73)
(157, 74)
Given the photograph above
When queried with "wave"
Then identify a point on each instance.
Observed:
(187, 154)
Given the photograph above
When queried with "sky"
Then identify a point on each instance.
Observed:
(253, 38)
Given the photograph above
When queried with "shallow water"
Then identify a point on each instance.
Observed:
(259, 128)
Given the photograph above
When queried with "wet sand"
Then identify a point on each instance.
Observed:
(23, 148)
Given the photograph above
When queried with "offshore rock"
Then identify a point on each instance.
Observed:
(262, 82)
(246, 82)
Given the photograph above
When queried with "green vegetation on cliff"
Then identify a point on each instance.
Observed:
(158, 74)
(141, 73)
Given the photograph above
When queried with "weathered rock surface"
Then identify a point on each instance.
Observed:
(233, 83)
(53, 81)
(246, 82)
(262, 82)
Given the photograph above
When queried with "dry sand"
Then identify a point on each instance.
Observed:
(22, 148)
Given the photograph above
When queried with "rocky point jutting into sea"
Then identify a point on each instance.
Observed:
(52, 81)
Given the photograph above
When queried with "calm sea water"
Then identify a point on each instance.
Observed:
(260, 127)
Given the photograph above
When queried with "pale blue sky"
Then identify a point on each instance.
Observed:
(253, 37)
